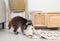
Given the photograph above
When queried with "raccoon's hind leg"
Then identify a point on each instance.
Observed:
(15, 29)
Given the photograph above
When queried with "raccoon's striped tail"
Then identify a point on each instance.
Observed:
(9, 25)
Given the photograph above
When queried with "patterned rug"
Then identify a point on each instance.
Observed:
(42, 33)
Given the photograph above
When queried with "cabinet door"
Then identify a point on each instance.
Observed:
(18, 5)
(38, 19)
(53, 20)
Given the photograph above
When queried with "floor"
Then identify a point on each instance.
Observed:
(6, 35)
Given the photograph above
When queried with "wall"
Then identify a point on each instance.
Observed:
(43, 5)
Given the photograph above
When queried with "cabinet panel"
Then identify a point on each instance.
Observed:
(18, 5)
(38, 19)
(53, 20)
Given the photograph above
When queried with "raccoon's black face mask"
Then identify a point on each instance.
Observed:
(29, 22)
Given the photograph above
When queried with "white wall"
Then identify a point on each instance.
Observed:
(43, 5)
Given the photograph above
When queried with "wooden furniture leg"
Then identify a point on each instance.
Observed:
(25, 7)
(8, 12)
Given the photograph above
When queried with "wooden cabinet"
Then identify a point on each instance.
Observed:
(49, 19)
